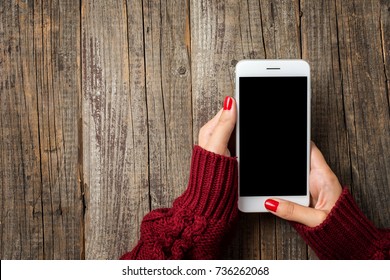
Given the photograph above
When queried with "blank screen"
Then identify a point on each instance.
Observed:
(273, 136)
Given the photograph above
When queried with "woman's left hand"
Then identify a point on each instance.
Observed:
(215, 134)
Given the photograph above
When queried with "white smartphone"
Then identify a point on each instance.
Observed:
(273, 131)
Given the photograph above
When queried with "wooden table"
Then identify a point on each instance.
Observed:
(101, 103)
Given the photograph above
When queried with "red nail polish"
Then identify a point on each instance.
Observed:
(271, 205)
(227, 103)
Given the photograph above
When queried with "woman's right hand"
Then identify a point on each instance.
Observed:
(325, 189)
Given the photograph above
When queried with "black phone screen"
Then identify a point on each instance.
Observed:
(273, 136)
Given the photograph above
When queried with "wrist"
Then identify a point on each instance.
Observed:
(212, 186)
(345, 233)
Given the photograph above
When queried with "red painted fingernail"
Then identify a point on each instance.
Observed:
(271, 205)
(227, 103)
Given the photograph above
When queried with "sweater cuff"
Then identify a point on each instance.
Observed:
(212, 187)
(345, 234)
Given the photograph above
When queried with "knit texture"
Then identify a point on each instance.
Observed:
(346, 234)
(200, 220)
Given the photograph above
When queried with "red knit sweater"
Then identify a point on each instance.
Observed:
(200, 220)
(346, 234)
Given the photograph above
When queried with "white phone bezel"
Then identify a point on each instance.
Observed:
(271, 68)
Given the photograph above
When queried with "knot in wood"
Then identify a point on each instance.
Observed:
(181, 70)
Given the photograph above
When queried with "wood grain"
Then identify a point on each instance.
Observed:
(320, 48)
(169, 107)
(385, 38)
(41, 206)
(102, 101)
(115, 150)
(366, 102)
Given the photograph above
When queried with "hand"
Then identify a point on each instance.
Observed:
(325, 189)
(215, 134)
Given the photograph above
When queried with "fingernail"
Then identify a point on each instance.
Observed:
(227, 103)
(271, 205)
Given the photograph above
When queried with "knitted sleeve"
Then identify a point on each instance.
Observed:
(346, 234)
(200, 219)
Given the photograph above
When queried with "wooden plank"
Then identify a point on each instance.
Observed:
(115, 159)
(366, 102)
(385, 36)
(138, 179)
(168, 87)
(42, 206)
(320, 49)
(268, 237)
(281, 28)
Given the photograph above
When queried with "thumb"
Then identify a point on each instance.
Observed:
(294, 212)
(219, 139)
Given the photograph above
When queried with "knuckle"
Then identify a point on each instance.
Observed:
(225, 124)
(322, 216)
(224, 120)
(289, 211)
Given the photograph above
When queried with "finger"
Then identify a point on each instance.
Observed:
(206, 130)
(294, 212)
(223, 129)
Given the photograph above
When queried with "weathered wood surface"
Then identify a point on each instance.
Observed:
(41, 196)
(101, 102)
